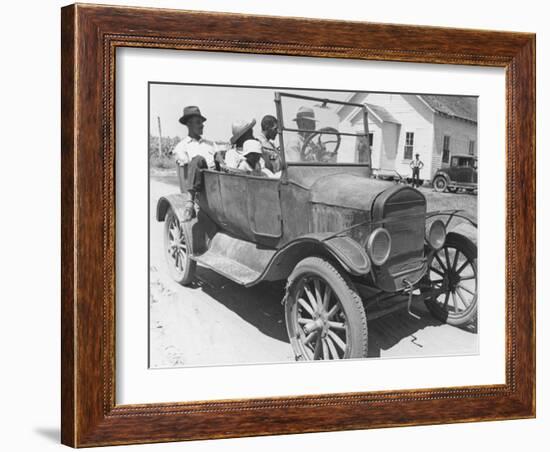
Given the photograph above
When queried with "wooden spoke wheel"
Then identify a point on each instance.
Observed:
(325, 317)
(450, 286)
(180, 265)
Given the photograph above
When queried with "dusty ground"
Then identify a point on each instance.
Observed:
(219, 322)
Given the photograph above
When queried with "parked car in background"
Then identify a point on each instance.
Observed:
(461, 173)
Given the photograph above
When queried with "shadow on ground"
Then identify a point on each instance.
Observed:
(388, 331)
(261, 307)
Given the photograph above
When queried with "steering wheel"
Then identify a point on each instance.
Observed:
(315, 149)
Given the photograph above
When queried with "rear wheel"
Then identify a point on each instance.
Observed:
(450, 285)
(180, 265)
(440, 184)
(325, 317)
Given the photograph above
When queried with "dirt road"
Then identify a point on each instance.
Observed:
(219, 322)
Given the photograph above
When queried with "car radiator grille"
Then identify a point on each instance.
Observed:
(402, 211)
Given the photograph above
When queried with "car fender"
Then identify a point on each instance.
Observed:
(442, 173)
(198, 230)
(176, 202)
(344, 250)
(450, 215)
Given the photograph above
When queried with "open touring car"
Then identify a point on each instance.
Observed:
(330, 230)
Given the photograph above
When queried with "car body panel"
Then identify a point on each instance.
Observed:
(248, 263)
(249, 220)
(462, 172)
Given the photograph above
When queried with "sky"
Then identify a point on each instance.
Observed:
(222, 106)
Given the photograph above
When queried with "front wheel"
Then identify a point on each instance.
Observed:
(440, 184)
(325, 317)
(176, 248)
(450, 285)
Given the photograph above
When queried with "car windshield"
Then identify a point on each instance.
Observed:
(314, 130)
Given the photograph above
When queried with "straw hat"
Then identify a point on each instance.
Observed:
(239, 128)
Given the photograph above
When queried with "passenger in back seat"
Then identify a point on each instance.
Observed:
(196, 152)
(252, 156)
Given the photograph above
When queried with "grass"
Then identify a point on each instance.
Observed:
(162, 162)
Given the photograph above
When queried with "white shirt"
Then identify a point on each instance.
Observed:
(417, 164)
(234, 157)
(293, 149)
(190, 147)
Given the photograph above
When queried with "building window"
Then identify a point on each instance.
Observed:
(371, 138)
(409, 144)
(446, 148)
(472, 147)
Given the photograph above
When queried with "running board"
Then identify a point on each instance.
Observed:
(229, 268)
(236, 259)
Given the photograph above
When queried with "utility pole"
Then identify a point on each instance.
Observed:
(160, 137)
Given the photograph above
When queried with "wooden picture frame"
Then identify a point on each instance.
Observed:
(90, 36)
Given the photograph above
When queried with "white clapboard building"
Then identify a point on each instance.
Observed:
(402, 125)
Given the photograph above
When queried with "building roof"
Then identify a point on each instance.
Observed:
(460, 107)
(382, 113)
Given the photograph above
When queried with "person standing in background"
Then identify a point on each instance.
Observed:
(416, 166)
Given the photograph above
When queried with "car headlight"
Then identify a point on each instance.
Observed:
(379, 246)
(436, 234)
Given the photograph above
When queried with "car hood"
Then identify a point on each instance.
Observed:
(347, 190)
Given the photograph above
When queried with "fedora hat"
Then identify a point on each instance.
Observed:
(189, 112)
(239, 128)
(252, 147)
(305, 113)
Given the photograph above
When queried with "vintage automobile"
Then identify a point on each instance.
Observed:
(461, 173)
(351, 248)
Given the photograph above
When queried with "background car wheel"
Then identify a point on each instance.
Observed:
(324, 314)
(180, 265)
(452, 274)
(440, 184)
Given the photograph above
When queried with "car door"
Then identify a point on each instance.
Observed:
(466, 171)
(233, 197)
(264, 208)
(246, 206)
(471, 173)
(453, 170)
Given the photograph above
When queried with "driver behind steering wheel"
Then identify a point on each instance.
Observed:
(306, 122)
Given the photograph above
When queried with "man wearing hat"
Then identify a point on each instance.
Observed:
(193, 144)
(196, 152)
(306, 122)
(416, 166)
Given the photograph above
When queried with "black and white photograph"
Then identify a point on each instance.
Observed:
(293, 225)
